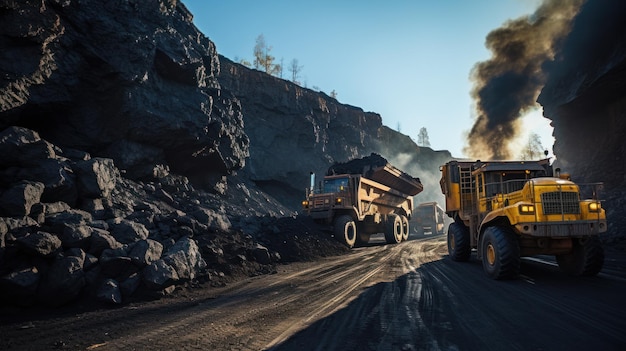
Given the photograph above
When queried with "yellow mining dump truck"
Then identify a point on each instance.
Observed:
(363, 197)
(509, 209)
(429, 218)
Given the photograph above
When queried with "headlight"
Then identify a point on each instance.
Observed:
(527, 209)
(338, 201)
(305, 203)
(595, 207)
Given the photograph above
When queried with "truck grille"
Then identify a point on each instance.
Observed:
(558, 202)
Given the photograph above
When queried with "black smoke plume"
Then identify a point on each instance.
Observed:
(507, 85)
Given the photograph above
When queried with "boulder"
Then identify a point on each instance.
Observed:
(58, 179)
(129, 285)
(159, 275)
(261, 254)
(20, 286)
(115, 262)
(76, 236)
(127, 232)
(212, 219)
(18, 200)
(96, 177)
(56, 207)
(102, 240)
(39, 243)
(63, 282)
(184, 256)
(109, 292)
(23, 147)
(58, 221)
(144, 252)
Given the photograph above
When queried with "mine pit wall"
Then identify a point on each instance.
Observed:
(590, 146)
(294, 130)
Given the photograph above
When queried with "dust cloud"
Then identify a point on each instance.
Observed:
(429, 176)
(507, 85)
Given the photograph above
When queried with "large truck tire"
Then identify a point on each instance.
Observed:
(500, 253)
(393, 229)
(345, 230)
(362, 236)
(405, 228)
(586, 258)
(459, 247)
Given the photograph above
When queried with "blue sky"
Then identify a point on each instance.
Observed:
(407, 60)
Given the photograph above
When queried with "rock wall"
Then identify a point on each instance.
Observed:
(585, 97)
(295, 130)
(131, 80)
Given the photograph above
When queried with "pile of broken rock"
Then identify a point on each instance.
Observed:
(72, 226)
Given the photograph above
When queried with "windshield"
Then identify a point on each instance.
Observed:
(335, 185)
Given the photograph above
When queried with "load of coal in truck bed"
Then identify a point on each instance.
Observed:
(378, 169)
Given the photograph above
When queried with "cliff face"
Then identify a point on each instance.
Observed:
(294, 131)
(135, 81)
(585, 97)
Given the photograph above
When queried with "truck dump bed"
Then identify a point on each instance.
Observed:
(376, 168)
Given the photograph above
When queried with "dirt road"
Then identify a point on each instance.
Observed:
(381, 297)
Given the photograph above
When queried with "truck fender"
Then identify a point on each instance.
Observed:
(496, 217)
(350, 212)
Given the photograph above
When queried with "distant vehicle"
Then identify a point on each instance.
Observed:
(508, 209)
(363, 197)
(429, 219)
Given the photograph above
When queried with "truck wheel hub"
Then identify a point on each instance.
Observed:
(491, 254)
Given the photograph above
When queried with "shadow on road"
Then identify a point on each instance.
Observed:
(446, 305)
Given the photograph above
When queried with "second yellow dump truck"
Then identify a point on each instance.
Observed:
(429, 218)
(509, 209)
(363, 197)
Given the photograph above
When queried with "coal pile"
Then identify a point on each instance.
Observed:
(358, 165)
(73, 227)
(377, 168)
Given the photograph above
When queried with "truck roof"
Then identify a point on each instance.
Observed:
(510, 166)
